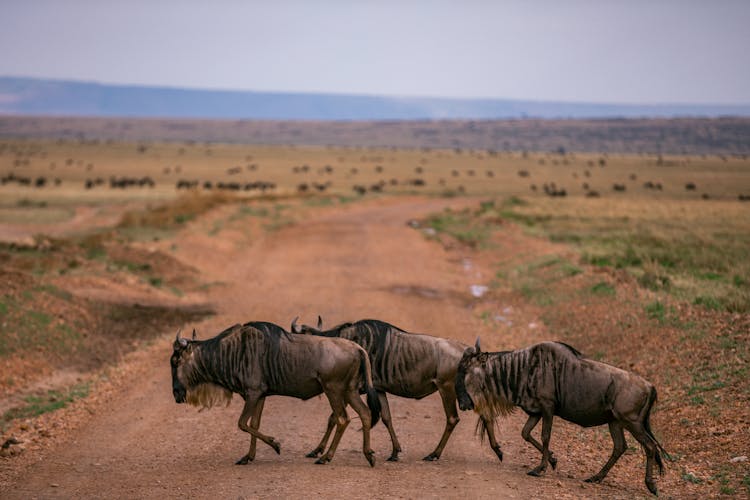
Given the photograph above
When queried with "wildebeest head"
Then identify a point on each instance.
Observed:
(189, 384)
(181, 353)
(469, 363)
(305, 329)
(474, 390)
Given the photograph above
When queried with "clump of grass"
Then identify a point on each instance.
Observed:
(252, 211)
(690, 478)
(39, 404)
(175, 213)
(55, 291)
(653, 277)
(708, 302)
(463, 225)
(569, 269)
(133, 267)
(656, 310)
(603, 288)
(26, 327)
(532, 280)
(27, 203)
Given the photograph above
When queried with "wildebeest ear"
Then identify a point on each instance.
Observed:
(320, 322)
(477, 347)
(294, 327)
(194, 334)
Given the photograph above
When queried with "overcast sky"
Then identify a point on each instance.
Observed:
(634, 51)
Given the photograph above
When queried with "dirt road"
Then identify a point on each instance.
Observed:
(355, 262)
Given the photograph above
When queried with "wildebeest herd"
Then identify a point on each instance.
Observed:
(371, 357)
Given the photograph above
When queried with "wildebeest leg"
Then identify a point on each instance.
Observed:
(364, 416)
(255, 423)
(490, 428)
(547, 417)
(448, 395)
(385, 415)
(526, 434)
(251, 401)
(342, 420)
(618, 438)
(322, 446)
(649, 447)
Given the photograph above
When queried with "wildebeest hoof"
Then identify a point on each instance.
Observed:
(314, 453)
(370, 456)
(393, 458)
(499, 453)
(593, 479)
(244, 460)
(276, 446)
(553, 462)
(323, 460)
(536, 472)
(652, 487)
(431, 457)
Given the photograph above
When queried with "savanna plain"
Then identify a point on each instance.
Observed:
(109, 247)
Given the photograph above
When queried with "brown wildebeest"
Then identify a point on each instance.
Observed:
(260, 359)
(409, 365)
(552, 378)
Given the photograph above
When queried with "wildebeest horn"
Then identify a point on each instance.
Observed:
(183, 342)
(295, 328)
(320, 322)
(477, 347)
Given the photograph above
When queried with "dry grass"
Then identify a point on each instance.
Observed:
(445, 171)
(182, 209)
(697, 251)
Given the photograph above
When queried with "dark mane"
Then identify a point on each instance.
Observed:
(575, 352)
(372, 334)
(214, 341)
(380, 324)
(332, 332)
(270, 329)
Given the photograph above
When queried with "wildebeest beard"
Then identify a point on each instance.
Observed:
(207, 395)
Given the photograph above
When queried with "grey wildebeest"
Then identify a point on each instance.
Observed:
(552, 378)
(406, 364)
(260, 359)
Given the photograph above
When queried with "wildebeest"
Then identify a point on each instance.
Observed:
(260, 359)
(552, 378)
(406, 364)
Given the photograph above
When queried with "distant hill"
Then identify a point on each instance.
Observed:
(725, 136)
(29, 96)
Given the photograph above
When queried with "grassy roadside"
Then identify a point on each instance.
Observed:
(696, 252)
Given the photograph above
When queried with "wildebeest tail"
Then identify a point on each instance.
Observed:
(647, 426)
(373, 402)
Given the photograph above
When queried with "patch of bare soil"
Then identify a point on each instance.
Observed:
(345, 263)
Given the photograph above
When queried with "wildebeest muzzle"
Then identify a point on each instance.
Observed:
(179, 393)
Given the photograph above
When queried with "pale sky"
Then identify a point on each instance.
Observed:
(630, 51)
